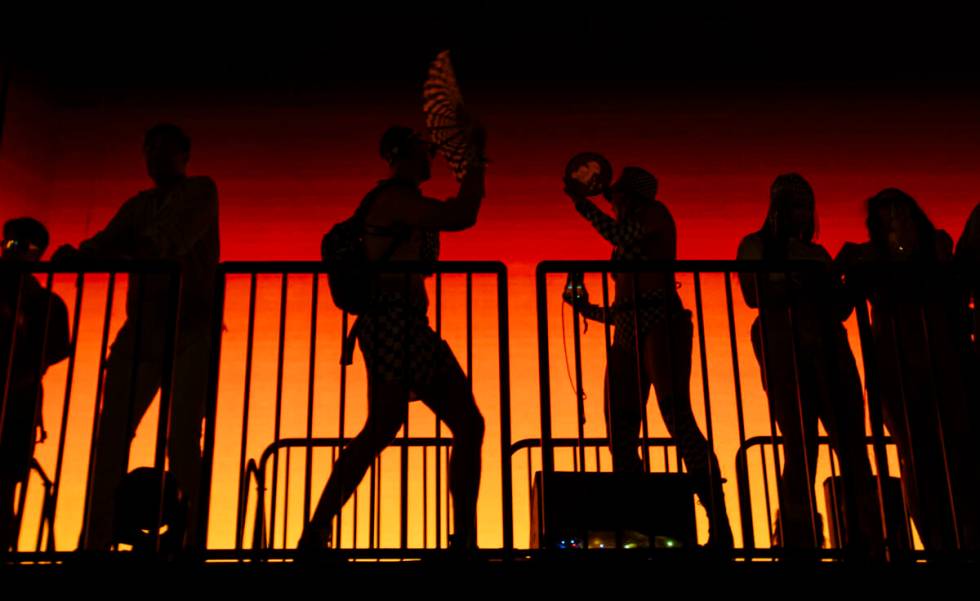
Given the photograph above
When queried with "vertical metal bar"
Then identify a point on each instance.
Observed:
(503, 358)
(311, 391)
(699, 306)
(377, 513)
(371, 502)
(772, 418)
(469, 335)
(449, 505)
(97, 411)
(285, 501)
(354, 523)
(403, 451)
(940, 430)
(438, 449)
(869, 357)
(544, 375)
(343, 413)
(795, 354)
(249, 349)
(744, 502)
(579, 455)
(905, 412)
(765, 487)
(211, 407)
(530, 480)
(12, 351)
(277, 427)
(469, 328)
(38, 395)
(45, 517)
(834, 493)
(137, 356)
(166, 395)
(607, 339)
(403, 488)
(63, 426)
(641, 390)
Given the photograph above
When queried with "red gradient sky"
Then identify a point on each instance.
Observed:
(289, 165)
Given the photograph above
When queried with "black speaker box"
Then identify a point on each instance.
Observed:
(596, 510)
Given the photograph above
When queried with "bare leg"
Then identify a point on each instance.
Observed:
(387, 410)
(451, 399)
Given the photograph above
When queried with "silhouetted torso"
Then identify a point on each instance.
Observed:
(40, 312)
(28, 366)
(180, 224)
(658, 243)
(386, 224)
(809, 301)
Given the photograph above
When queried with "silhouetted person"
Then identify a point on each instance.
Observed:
(175, 220)
(968, 261)
(968, 255)
(807, 365)
(404, 357)
(40, 341)
(923, 357)
(644, 230)
(968, 245)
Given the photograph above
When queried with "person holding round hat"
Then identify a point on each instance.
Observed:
(643, 229)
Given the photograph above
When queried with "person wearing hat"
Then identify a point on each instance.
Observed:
(808, 372)
(644, 229)
(404, 357)
(176, 220)
(35, 321)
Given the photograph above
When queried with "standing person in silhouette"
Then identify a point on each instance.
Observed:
(923, 357)
(404, 357)
(176, 220)
(807, 366)
(644, 230)
(36, 320)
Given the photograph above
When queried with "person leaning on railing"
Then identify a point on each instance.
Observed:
(176, 220)
(924, 359)
(808, 370)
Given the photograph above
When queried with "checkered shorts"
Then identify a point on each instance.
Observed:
(399, 346)
(655, 307)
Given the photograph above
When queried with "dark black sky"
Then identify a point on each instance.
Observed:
(492, 43)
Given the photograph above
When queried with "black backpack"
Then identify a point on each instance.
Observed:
(352, 281)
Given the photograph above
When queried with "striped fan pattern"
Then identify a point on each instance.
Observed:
(444, 116)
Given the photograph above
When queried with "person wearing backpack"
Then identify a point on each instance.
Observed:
(405, 358)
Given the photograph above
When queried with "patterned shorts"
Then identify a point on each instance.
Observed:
(399, 346)
(654, 307)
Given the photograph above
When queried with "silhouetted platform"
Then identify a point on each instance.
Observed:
(486, 574)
